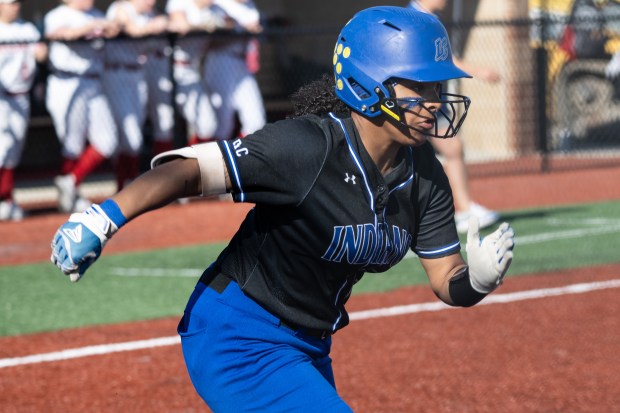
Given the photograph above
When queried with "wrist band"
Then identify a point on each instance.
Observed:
(113, 212)
(461, 291)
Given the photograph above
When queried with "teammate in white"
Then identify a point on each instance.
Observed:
(19, 50)
(125, 79)
(75, 97)
(192, 97)
(231, 79)
(160, 101)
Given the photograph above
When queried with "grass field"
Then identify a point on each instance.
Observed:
(154, 284)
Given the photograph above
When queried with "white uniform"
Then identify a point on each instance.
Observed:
(75, 96)
(17, 70)
(159, 84)
(125, 84)
(191, 95)
(231, 81)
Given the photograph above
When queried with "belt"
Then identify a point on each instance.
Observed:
(62, 73)
(159, 54)
(125, 66)
(219, 282)
(13, 94)
(182, 62)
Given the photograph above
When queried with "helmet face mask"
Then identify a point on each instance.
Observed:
(452, 110)
(383, 44)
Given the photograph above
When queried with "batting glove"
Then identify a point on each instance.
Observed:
(612, 70)
(78, 242)
(488, 258)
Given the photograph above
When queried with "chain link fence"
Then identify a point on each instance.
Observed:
(544, 114)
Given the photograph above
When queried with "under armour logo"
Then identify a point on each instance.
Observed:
(442, 49)
(75, 234)
(349, 178)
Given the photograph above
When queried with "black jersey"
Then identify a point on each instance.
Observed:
(325, 215)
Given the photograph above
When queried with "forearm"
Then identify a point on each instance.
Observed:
(440, 271)
(178, 178)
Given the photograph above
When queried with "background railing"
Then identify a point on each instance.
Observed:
(546, 113)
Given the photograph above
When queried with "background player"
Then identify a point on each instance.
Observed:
(452, 150)
(230, 75)
(257, 330)
(192, 97)
(17, 70)
(160, 110)
(125, 80)
(75, 98)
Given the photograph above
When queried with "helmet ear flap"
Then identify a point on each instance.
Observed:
(387, 104)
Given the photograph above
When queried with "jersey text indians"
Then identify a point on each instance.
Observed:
(368, 244)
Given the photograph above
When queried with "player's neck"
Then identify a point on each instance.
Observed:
(377, 142)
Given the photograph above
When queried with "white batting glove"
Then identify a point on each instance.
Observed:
(489, 258)
(612, 70)
(78, 242)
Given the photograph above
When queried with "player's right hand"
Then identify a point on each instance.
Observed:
(79, 241)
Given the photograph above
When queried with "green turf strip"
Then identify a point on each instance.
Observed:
(37, 297)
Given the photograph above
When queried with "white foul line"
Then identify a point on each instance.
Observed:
(357, 315)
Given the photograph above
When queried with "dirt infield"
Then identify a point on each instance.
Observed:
(551, 354)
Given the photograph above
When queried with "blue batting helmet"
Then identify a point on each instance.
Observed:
(383, 43)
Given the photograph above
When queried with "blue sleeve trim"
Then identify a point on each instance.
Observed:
(113, 212)
(440, 252)
(235, 170)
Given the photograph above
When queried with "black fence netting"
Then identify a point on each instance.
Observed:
(554, 105)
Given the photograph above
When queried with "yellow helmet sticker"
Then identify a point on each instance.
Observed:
(339, 68)
(339, 84)
(339, 49)
(347, 52)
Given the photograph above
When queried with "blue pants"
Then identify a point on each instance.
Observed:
(240, 358)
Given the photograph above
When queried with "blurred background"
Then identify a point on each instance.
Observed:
(556, 105)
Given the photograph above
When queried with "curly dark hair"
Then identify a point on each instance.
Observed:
(318, 98)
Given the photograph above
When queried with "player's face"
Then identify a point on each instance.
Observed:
(143, 6)
(83, 5)
(418, 102)
(9, 12)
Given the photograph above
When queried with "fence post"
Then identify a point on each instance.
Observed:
(541, 106)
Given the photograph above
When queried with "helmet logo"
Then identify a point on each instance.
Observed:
(442, 49)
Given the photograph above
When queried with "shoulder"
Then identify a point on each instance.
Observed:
(114, 8)
(56, 11)
(28, 31)
(305, 132)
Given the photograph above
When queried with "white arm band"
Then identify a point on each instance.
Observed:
(210, 163)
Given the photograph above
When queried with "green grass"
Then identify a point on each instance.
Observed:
(37, 297)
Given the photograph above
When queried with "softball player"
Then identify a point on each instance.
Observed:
(229, 77)
(125, 79)
(336, 195)
(75, 98)
(19, 50)
(192, 98)
(160, 110)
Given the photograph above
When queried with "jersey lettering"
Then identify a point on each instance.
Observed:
(367, 244)
(239, 151)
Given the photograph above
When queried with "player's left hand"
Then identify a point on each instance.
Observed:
(79, 241)
(488, 258)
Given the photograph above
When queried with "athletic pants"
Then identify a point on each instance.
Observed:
(240, 358)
